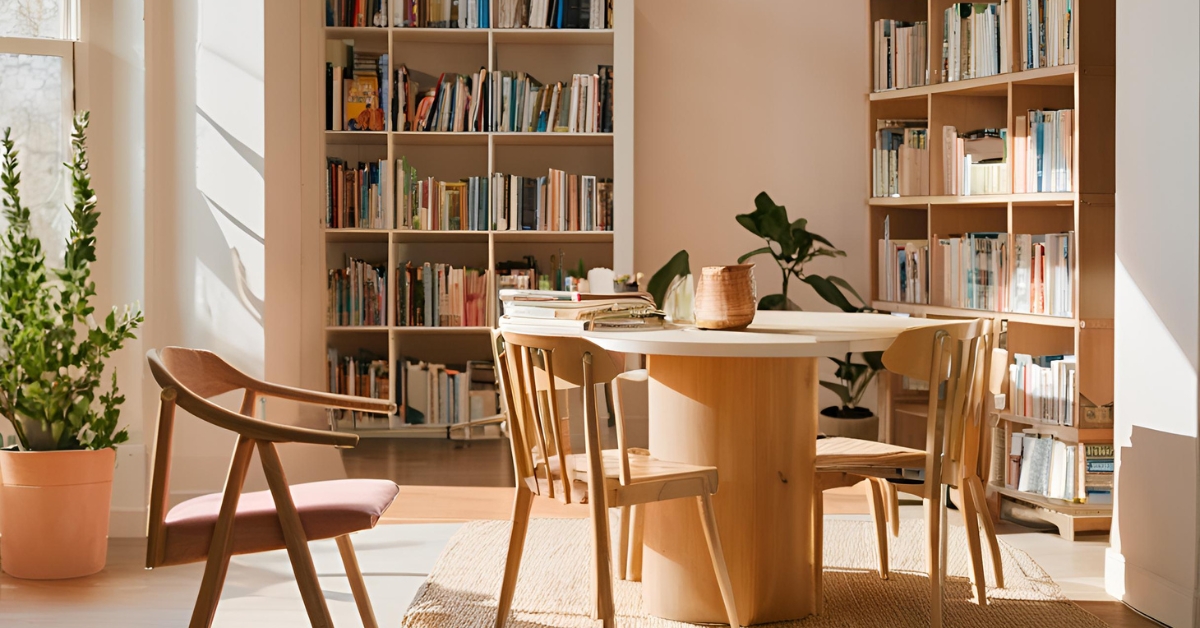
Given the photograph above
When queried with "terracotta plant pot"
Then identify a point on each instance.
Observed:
(865, 427)
(54, 520)
(725, 297)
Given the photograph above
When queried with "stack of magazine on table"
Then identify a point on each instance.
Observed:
(547, 310)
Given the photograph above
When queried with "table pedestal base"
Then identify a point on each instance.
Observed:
(755, 419)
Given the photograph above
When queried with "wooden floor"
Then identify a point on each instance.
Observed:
(441, 482)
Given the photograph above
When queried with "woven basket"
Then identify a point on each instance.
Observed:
(725, 297)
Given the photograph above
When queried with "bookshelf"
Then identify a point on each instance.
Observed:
(550, 55)
(1087, 211)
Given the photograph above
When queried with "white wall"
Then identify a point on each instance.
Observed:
(1152, 563)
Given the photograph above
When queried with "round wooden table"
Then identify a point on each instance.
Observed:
(746, 403)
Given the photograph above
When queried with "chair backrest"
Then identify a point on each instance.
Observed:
(952, 358)
(192, 373)
(535, 368)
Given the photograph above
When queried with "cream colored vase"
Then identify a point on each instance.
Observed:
(54, 509)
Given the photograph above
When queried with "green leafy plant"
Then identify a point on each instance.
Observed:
(678, 266)
(853, 379)
(52, 350)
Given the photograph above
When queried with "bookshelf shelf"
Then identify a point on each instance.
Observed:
(553, 55)
(1087, 88)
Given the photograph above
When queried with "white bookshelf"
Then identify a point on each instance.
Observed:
(548, 54)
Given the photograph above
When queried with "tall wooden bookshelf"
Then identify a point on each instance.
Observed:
(1087, 86)
(550, 55)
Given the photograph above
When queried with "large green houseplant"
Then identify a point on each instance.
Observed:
(52, 363)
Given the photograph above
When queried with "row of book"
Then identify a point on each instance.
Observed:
(1047, 466)
(526, 274)
(1047, 33)
(357, 97)
(903, 271)
(900, 158)
(591, 14)
(974, 271)
(975, 40)
(538, 310)
(354, 196)
(1042, 274)
(357, 294)
(427, 204)
(356, 12)
(1042, 388)
(438, 394)
(1043, 151)
(442, 13)
(504, 102)
(440, 295)
(974, 162)
(360, 375)
(901, 60)
(558, 201)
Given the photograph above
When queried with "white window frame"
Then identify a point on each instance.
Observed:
(53, 47)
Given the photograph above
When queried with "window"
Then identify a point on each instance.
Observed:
(37, 100)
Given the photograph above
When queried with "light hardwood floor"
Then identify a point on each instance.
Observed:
(261, 592)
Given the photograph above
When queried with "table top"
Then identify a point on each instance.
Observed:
(771, 335)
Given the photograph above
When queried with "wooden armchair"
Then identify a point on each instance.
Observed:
(213, 527)
(529, 370)
(954, 359)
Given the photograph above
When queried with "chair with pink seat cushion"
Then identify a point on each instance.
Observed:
(212, 528)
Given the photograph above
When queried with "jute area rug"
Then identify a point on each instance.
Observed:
(554, 589)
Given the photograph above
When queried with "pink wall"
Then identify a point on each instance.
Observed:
(736, 98)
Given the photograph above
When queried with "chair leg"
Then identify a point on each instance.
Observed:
(637, 523)
(293, 537)
(934, 522)
(879, 517)
(601, 559)
(893, 506)
(623, 543)
(966, 505)
(221, 546)
(357, 586)
(516, 546)
(818, 548)
(708, 519)
(989, 528)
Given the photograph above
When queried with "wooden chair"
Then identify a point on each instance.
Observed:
(953, 359)
(214, 527)
(530, 369)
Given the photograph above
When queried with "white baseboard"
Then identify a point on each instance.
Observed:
(1148, 592)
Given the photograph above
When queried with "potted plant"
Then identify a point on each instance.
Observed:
(56, 486)
(792, 246)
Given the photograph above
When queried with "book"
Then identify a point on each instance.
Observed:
(1043, 388)
(357, 12)
(899, 54)
(440, 394)
(974, 271)
(354, 196)
(362, 375)
(1046, 147)
(427, 204)
(357, 294)
(440, 295)
(975, 162)
(904, 271)
(1047, 33)
(1042, 277)
(900, 158)
(559, 201)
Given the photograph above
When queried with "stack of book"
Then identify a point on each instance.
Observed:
(554, 14)
(900, 158)
(1043, 465)
(1041, 281)
(356, 94)
(362, 376)
(437, 394)
(1043, 151)
(354, 196)
(1047, 33)
(974, 162)
(442, 13)
(541, 310)
(974, 271)
(556, 202)
(357, 294)
(1099, 469)
(904, 271)
(455, 103)
(357, 12)
(900, 57)
(1043, 388)
(439, 295)
(426, 204)
(976, 39)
